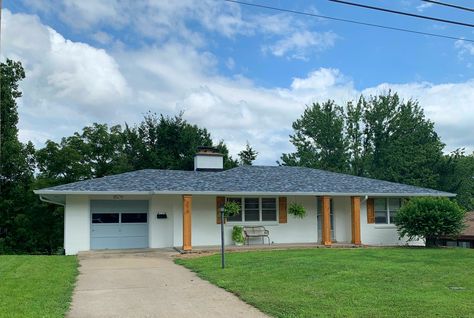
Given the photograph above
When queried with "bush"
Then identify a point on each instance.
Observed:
(297, 210)
(430, 218)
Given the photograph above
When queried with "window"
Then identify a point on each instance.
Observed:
(105, 217)
(386, 210)
(134, 217)
(255, 209)
(269, 209)
(252, 209)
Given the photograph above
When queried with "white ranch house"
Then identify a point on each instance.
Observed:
(170, 208)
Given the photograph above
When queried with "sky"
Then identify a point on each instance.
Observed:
(244, 73)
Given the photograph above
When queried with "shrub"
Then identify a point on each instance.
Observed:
(237, 235)
(297, 210)
(430, 218)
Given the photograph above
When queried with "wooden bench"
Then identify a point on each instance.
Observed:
(256, 231)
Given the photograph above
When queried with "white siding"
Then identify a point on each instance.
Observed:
(76, 224)
(297, 230)
(161, 230)
(380, 234)
(169, 232)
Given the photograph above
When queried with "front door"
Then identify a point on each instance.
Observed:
(320, 220)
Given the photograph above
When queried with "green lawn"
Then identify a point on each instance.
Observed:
(363, 282)
(36, 286)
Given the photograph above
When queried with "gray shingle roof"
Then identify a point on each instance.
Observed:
(246, 179)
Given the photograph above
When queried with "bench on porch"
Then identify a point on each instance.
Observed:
(256, 231)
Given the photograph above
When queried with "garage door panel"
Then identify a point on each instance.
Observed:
(105, 230)
(99, 206)
(134, 230)
(101, 243)
(134, 242)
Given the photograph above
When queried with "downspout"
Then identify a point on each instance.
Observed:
(49, 201)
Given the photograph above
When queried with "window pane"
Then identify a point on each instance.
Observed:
(269, 212)
(380, 205)
(252, 212)
(393, 214)
(268, 203)
(380, 217)
(394, 204)
(237, 217)
(105, 217)
(134, 217)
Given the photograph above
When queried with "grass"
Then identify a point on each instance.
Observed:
(372, 282)
(36, 286)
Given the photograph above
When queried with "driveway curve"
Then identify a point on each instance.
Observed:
(148, 284)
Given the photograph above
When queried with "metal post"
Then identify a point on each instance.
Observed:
(222, 238)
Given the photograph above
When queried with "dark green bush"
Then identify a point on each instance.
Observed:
(430, 218)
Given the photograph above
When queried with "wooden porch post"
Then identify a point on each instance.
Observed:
(325, 213)
(355, 217)
(187, 209)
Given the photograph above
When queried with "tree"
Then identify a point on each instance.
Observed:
(247, 156)
(355, 138)
(16, 159)
(382, 137)
(457, 176)
(430, 218)
(96, 152)
(319, 139)
(162, 142)
(401, 144)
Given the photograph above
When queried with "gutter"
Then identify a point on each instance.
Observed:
(50, 201)
(227, 193)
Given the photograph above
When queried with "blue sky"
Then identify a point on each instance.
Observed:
(244, 73)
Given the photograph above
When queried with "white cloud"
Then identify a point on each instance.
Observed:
(176, 21)
(300, 44)
(66, 81)
(464, 47)
(422, 7)
(70, 85)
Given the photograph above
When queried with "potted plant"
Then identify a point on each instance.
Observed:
(238, 236)
(231, 208)
(297, 210)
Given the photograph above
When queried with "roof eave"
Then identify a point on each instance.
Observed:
(256, 193)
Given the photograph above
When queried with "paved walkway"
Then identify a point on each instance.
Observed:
(148, 284)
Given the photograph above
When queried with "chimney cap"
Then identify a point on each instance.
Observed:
(208, 151)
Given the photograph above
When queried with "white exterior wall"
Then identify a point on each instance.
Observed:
(76, 224)
(297, 230)
(169, 232)
(161, 230)
(380, 234)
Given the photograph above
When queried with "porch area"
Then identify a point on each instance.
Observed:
(326, 216)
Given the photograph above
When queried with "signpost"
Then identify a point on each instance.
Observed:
(222, 237)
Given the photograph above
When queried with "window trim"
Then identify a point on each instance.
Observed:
(260, 210)
(387, 210)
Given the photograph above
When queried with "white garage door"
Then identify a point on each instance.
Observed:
(119, 224)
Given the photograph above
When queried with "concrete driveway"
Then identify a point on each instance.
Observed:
(148, 284)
